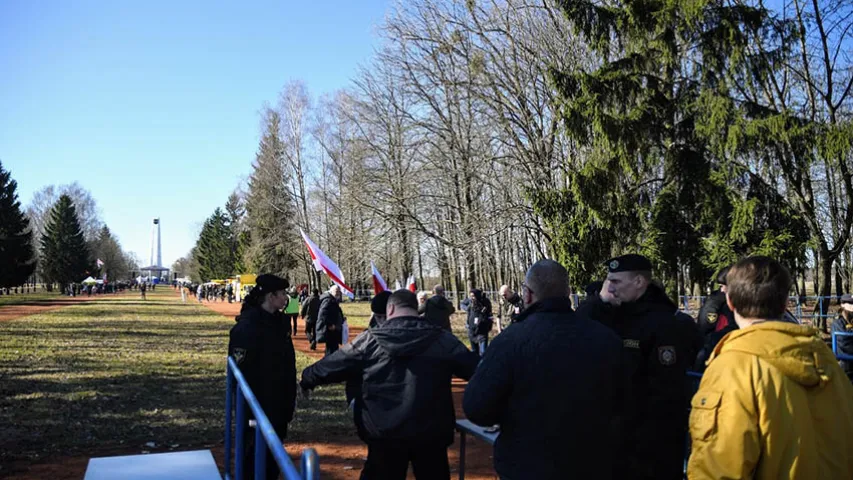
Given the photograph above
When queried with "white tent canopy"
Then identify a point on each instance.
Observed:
(89, 281)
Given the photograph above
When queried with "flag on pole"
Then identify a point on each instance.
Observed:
(323, 263)
(410, 284)
(397, 285)
(378, 282)
(100, 263)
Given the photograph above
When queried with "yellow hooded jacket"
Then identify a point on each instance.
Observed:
(773, 404)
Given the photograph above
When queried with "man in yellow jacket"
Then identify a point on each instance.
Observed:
(773, 403)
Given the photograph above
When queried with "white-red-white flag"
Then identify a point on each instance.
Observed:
(378, 282)
(410, 284)
(322, 263)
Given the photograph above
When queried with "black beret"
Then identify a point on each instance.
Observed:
(721, 276)
(380, 302)
(629, 263)
(270, 283)
(847, 298)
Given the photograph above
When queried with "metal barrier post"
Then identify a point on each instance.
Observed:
(239, 449)
(310, 465)
(260, 454)
(461, 455)
(229, 391)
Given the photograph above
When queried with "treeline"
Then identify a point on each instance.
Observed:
(57, 239)
(485, 134)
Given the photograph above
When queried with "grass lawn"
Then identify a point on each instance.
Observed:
(121, 372)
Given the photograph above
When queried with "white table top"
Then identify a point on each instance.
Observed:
(194, 465)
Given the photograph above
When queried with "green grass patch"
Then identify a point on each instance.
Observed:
(123, 372)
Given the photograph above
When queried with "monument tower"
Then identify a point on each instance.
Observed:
(155, 266)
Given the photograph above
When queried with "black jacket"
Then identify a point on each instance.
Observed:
(264, 352)
(552, 381)
(310, 308)
(438, 311)
(845, 343)
(659, 346)
(405, 366)
(328, 314)
(479, 320)
(714, 315)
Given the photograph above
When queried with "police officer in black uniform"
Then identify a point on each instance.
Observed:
(844, 323)
(715, 321)
(659, 344)
(263, 350)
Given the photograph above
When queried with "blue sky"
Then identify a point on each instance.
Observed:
(154, 106)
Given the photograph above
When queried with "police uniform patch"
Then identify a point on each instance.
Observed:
(666, 355)
(630, 343)
(614, 264)
(239, 355)
(712, 317)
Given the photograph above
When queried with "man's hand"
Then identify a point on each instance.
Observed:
(332, 327)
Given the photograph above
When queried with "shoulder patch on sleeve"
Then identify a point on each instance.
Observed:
(666, 355)
(239, 355)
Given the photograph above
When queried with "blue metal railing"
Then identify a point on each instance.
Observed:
(265, 435)
(840, 355)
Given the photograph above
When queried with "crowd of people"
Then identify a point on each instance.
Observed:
(601, 391)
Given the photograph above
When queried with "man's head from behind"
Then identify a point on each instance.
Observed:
(402, 303)
(757, 290)
(438, 290)
(379, 305)
(545, 279)
(335, 291)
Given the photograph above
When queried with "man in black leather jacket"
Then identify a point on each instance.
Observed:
(405, 410)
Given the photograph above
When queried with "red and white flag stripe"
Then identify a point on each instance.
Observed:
(322, 263)
(379, 284)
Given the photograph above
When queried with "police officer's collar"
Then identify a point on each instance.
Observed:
(554, 304)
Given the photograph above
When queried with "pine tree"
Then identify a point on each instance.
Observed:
(17, 258)
(64, 253)
(269, 207)
(650, 181)
(215, 249)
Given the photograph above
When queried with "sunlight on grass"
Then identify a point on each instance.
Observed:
(126, 371)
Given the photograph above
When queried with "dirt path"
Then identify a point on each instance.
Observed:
(42, 305)
(344, 459)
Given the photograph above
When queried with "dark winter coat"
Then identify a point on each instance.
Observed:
(714, 315)
(263, 350)
(329, 314)
(659, 346)
(310, 308)
(479, 313)
(438, 310)
(844, 343)
(405, 366)
(552, 381)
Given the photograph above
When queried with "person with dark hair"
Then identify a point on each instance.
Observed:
(844, 324)
(773, 402)
(263, 350)
(479, 312)
(330, 320)
(309, 312)
(404, 411)
(552, 382)
(659, 346)
(439, 309)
